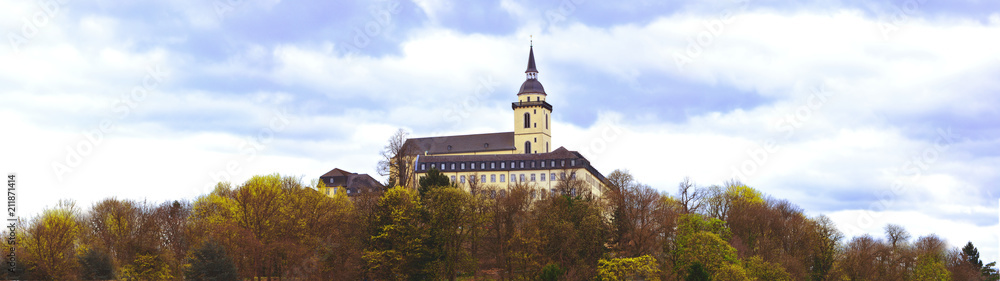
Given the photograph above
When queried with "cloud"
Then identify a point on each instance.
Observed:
(831, 104)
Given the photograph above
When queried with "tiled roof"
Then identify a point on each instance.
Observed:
(463, 143)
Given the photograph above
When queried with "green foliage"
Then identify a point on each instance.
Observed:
(210, 262)
(638, 268)
(49, 244)
(758, 269)
(551, 272)
(95, 265)
(146, 267)
(742, 193)
(694, 223)
(397, 250)
(698, 242)
(930, 268)
(731, 272)
(697, 272)
(434, 178)
(449, 219)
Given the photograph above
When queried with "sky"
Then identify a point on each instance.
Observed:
(868, 112)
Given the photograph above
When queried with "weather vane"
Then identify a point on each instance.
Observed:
(531, 40)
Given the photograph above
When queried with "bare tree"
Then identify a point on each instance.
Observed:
(397, 160)
(690, 196)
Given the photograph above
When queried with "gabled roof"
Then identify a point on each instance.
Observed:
(336, 172)
(463, 143)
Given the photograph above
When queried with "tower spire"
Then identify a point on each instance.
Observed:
(531, 61)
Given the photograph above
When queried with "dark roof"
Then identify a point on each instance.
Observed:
(463, 143)
(531, 60)
(354, 182)
(531, 86)
(560, 153)
(336, 172)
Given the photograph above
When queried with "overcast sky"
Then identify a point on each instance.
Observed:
(870, 112)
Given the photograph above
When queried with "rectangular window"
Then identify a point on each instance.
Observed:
(482, 178)
(543, 163)
(522, 164)
(502, 164)
(552, 176)
(493, 165)
(463, 166)
(532, 164)
(452, 166)
(513, 177)
(512, 164)
(462, 179)
(532, 177)
(452, 178)
(501, 178)
(522, 177)
(328, 191)
(482, 166)
(553, 163)
(432, 165)
(572, 162)
(493, 178)
(572, 175)
(562, 176)
(543, 175)
(423, 166)
(562, 163)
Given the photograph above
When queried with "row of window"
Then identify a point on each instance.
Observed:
(503, 165)
(514, 177)
(534, 193)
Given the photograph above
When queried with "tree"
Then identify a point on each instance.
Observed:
(638, 268)
(930, 268)
(434, 178)
(146, 267)
(449, 219)
(689, 196)
(572, 231)
(397, 250)
(758, 269)
(210, 263)
(49, 243)
(397, 160)
(697, 272)
(702, 242)
(95, 264)
(633, 208)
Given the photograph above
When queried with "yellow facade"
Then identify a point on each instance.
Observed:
(532, 178)
(541, 167)
(532, 125)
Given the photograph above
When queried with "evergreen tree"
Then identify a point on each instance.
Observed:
(95, 265)
(433, 179)
(697, 272)
(210, 262)
(973, 255)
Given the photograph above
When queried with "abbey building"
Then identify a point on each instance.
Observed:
(524, 156)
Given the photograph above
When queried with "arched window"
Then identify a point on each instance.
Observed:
(527, 147)
(546, 121)
(527, 120)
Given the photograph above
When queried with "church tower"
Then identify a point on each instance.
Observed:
(532, 114)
